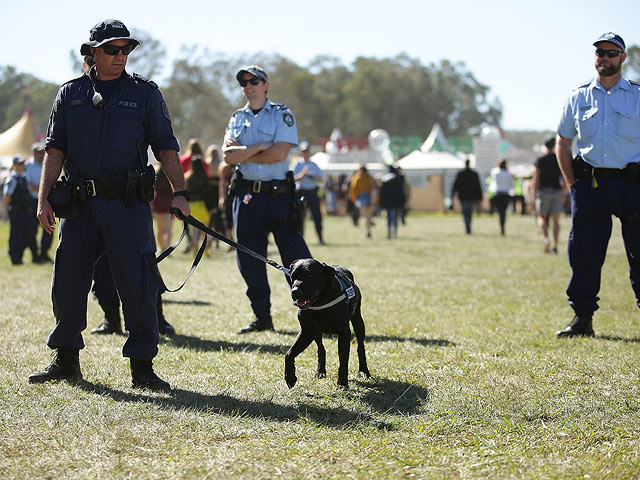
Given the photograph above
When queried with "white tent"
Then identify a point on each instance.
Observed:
(18, 139)
(419, 160)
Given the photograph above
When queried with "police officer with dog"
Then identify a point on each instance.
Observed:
(99, 130)
(258, 139)
(603, 178)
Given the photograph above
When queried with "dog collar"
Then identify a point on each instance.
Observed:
(347, 293)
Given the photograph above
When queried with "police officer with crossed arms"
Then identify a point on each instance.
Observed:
(258, 139)
(99, 130)
(605, 116)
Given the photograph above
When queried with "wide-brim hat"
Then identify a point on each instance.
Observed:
(105, 32)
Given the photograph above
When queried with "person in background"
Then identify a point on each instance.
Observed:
(392, 199)
(160, 205)
(361, 190)
(197, 183)
(603, 179)
(308, 175)
(469, 190)
(19, 206)
(33, 171)
(547, 187)
(501, 185)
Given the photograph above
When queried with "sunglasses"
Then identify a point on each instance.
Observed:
(114, 49)
(252, 81)
(601, 52)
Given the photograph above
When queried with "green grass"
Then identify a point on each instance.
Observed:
(468, 379)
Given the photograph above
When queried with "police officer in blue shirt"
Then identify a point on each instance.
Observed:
(603, 178)
(307, 175)
(257, 140)
(32, 173)
(99, 130)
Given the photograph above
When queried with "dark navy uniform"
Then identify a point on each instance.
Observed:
(263, 200)
(22, 228)
(607, 124)
(108, 141)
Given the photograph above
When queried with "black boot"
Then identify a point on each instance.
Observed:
(164, 327)
(112, 322)
(259, 324)
(65, 366)
(143, 376)
(578, 327)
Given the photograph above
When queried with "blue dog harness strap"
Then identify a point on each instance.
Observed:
(347, 292)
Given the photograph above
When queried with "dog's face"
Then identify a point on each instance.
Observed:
(308, 279)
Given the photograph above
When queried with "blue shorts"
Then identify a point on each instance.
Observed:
(363, 200)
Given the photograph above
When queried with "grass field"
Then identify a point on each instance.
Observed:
(468, 379)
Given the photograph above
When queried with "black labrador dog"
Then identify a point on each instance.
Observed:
(327, 299)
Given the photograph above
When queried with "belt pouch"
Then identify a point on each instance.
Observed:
(63, 199)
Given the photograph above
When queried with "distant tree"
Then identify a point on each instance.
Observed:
(19, 91)
(631, 67)
(196, 103)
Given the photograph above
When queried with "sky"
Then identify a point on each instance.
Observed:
(531, 54)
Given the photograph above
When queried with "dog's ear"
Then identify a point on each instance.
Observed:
(329, 272)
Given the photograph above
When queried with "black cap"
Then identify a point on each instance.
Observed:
(106, 31)
(611, 37)
(254, 70)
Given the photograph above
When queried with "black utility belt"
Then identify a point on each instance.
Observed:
(271, 186)
(67, 194)
(582, 169)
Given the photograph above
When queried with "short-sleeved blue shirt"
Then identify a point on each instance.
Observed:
(607, 123)
(314, 170)
(33, 171)
(110, 139)
(274, 123)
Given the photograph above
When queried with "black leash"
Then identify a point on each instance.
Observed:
(203, 228)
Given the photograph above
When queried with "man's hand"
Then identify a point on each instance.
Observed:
(181, 204)
(46, 216)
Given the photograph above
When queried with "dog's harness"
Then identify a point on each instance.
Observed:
(347, 292)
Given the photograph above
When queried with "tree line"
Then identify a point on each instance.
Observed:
(399, 94)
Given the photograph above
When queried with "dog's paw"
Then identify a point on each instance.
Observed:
(321, 374)
(291, 380)
(365, 373)
(343, 386)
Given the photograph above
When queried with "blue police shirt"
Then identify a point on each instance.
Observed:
(607, 123)
(110, 139)
(11, 183)
(33, 171)
(314, 170)
(274, 123)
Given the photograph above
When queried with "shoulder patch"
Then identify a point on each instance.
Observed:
(165, 111)
(145, 80)
(288, 119)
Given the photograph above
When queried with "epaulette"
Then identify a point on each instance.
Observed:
(73, 80)
(279, 106)
(582, 86)
(633, 82)
(145, 80)
(237, 111)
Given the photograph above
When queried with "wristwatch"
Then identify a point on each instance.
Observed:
(182, 193)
